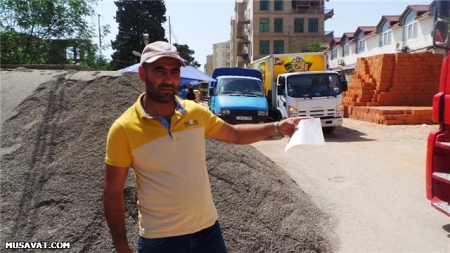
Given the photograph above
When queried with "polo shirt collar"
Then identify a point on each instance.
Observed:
(142, 114)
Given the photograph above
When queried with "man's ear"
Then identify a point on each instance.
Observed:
(141, 71)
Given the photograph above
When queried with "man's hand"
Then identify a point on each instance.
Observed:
(123, 249)
(114, 206)
(289, 125)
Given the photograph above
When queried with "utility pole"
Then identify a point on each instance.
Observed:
(146, 38)
(170, 32)
(100, 38)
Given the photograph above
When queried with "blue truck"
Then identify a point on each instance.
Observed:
(237, 96)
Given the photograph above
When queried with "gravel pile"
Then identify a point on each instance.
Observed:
(52, 155)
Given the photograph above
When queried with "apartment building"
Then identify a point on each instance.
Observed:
(410, 31)
(220, 58)
(221, 55)
(208, 67)
(263, 27)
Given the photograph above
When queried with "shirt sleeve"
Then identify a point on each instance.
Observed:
(118, 147)
(212, 122)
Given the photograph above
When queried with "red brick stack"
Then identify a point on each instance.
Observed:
(385, 89)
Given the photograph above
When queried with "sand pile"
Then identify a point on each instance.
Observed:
(52, 177)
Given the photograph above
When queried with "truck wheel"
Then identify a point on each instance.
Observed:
(278, 116)
(328, 130)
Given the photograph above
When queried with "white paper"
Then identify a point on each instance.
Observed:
(309, 132)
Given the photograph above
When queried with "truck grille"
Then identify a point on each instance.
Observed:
(318, 113)
(243, 113)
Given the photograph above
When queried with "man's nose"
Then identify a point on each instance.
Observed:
(168, 78)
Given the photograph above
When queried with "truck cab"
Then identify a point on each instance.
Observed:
(316, 93)
(438, 145)
(203, 89)
(237, 96)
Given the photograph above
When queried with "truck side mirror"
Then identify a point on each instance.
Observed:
(344, 85)
(280, 89)
(212, 86)
(280, 85)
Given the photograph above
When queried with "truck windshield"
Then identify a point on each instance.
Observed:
(314, 85)
(240, 86)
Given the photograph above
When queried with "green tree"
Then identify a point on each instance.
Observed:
(136, 18)
(42, 32)
(315, 46)
(186, 54)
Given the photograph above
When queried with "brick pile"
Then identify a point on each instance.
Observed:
(394, 89)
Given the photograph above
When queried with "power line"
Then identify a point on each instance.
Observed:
(154, 24)
(137, 7)
(173, 34)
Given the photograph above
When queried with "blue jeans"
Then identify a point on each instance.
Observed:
(205, 241)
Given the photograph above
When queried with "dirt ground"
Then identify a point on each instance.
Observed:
(52, 155)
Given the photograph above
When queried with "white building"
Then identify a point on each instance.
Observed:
(410, 31)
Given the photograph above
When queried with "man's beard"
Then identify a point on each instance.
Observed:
(156, 95)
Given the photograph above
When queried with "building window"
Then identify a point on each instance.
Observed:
(344, 42)
(359, 46)
(346, 50)
(298, 25)
(334, 53)
(264, 5)
(278, 25)
(410, 31)
(278, 5)
(264, 25)
(313, 25)
(278, 47)
(264, 47)
(385, 38)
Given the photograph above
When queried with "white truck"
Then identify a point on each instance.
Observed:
(299, 85)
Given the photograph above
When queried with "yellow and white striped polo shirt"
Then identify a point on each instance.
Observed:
(174, 193)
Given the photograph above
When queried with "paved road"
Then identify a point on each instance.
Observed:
(371, 178)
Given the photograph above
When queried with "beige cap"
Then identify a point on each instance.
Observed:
(158, 49)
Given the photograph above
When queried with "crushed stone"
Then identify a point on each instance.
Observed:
(52, 168)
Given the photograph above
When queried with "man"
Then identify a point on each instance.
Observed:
(183, 92)
(318, 87)
(176, 210)
(190, 94)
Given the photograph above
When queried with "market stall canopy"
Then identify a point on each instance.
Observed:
(189, 82)
(187, 72)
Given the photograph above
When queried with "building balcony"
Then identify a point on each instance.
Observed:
(308, 10)
(241, 50)
(313, 10)
(243, 59)
(244, 21)
(241, 31)
(329, 13)
(243, 40)
(240, 13)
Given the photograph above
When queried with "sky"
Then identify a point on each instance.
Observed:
(202, 23)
